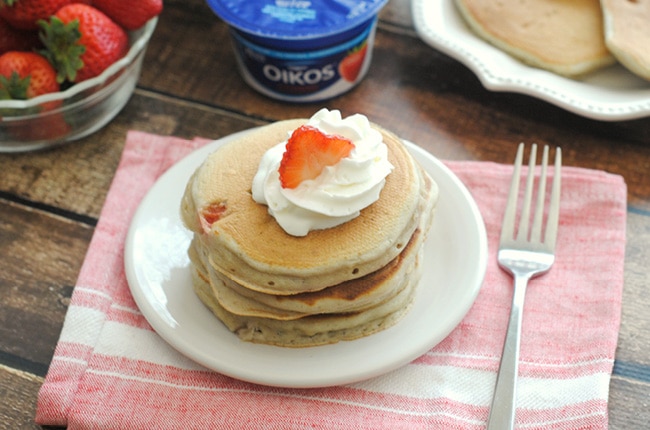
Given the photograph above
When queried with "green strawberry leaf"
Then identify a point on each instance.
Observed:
(62, 48)
(14, 87)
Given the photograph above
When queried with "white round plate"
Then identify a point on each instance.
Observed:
(609, 94)
(158, 272)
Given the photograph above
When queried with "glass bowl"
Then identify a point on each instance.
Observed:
(56, 118)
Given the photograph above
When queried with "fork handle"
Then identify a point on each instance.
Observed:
(502, 411)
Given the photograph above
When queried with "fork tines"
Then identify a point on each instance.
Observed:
(523, 232)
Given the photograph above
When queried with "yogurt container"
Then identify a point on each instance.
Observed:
(299, 50)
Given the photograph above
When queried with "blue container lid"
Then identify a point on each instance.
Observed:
(295, 19)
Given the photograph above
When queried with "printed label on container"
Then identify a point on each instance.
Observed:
(305, 76)
(296, 20)
(296, 13)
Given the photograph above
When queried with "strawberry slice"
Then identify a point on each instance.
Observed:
(308, 152)
(210, 214)
(213, 212)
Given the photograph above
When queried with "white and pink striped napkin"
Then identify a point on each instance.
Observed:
(110, 370)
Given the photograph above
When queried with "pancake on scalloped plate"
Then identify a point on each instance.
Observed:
(565, 37)
(627, 33)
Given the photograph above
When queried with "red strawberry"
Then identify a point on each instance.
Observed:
(26, 13)
(51, 126)
(81, 42)
(24, 75)
(212, 213)
(350, 66)
(130, 15)
(308, 152)
(13, 39)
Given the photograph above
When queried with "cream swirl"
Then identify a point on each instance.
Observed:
(340, 192)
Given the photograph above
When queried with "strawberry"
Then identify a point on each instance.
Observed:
(308, 152)
(350, 66)
(14, 39)
(212, 213)
(24, 75)
(51, 126)
(130, 15)
(25, 14)
(81, 42)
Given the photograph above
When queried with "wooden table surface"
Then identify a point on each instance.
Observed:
(50, 200)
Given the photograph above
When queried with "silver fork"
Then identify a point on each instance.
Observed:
(523, 253)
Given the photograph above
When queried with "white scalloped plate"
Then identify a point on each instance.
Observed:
(609, 94)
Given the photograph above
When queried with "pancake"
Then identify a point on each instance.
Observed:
(627, 33)
(353, 295)
(312, 330)
(247, 245)
(565, 37)
(350, 296)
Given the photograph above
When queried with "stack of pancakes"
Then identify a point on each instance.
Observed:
(335, 284)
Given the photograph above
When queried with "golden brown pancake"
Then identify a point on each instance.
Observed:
(312, 330)
(627, 33)
(248, 246)
(565, 37)
(350, 296)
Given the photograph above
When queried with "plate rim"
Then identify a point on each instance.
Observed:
(531, 81)
(184, 346)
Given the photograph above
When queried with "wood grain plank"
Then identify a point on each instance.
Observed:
(42, 255)
(634, 335)
(397, 12)
(18, 393)
(628, 404)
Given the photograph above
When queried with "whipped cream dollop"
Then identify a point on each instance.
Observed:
(340, 192)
